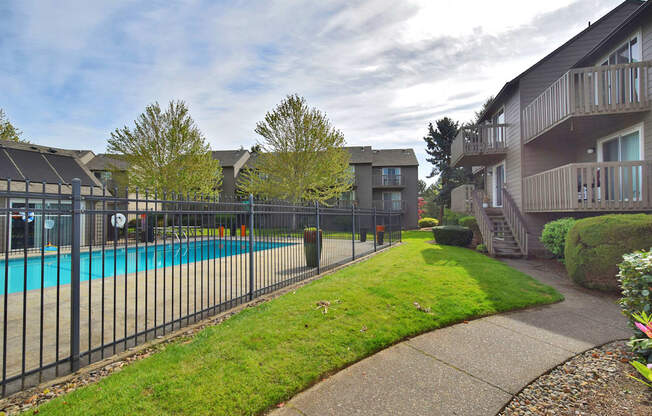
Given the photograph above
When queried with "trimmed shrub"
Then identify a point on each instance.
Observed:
(481, 248)
(469, 222)
(428, 222)
(553, 236)
(635, 277)
(451, 217)
(595, 246)
(453, 235)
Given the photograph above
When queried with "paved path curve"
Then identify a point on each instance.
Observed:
(474, 368)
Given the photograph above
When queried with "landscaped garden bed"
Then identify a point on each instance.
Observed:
(266, 354)
(593, 383)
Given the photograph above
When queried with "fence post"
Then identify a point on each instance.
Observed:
(318, 238)
(75, 273)
(353, 231)
(390, 229)
(374, 230)
(251, 247)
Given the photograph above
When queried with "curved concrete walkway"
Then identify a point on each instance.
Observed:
(474, 368)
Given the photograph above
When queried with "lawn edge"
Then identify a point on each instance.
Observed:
(187, 331)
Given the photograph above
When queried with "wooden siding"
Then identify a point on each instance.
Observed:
(461, 199)
(513, 156)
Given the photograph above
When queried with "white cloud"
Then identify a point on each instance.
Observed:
(380, 69)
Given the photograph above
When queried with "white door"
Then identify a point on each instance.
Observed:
(499, 182)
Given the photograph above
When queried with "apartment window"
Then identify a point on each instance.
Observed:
(104, 176)
(627, 52)
(497, 133)
(622, 181)
(391, 176)
(392, 201)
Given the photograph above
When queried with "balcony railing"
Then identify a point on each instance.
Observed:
(380, 181)
(605, 89)
(345, 203)
(387, 205)
(603, 186)
(473, 142)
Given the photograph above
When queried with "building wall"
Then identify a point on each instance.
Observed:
(228, 181)
(363, 190)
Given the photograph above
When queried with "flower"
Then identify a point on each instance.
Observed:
(646, 329)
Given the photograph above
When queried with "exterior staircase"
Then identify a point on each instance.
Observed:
(504, 243)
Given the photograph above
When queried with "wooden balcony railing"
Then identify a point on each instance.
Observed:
(603, 186)
(605, 89)
(380, 181)
(478, 140)
(387, 205)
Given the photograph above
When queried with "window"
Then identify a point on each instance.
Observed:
(392, 201)
(623, 182)
(391, 176)
(496, 134)
(104, 176)
(628, 52)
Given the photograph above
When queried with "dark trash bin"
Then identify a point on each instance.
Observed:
(363, 235)
(381, 237)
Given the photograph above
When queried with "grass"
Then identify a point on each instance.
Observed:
(266, 354)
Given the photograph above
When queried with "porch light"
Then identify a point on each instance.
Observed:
(590, 150)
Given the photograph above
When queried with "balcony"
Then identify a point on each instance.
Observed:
(603, 186)
(388, 181)
(480, 145)
(345, 203)
(592, 91)
(389, 205)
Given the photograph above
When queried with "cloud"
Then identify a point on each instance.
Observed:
(74, 71)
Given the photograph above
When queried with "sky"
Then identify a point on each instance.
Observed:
(73, 71)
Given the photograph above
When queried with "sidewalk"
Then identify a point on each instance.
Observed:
(474, 368)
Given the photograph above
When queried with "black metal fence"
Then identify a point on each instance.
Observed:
(88, 274)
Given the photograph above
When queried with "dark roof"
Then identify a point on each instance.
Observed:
(610, 41)
(106, 162)
(394, 157)
(21, 161)
(360, 154)
(228, 158)
(510, 85)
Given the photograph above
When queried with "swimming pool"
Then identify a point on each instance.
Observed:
(154, 257)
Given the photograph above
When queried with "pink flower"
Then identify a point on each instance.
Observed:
(646, 329)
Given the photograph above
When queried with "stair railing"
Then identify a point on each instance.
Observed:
(484, 222)
(515, 221)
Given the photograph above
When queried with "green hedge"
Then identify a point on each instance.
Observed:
(553, 236)
(595, 246)
(453, 235)
(428, 222)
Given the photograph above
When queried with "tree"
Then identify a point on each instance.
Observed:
(421, 187)
(8, 131)
(301, 156)
(438, 147)
(483, 110)
(166, 152)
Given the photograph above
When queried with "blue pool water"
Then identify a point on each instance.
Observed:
(135, 260)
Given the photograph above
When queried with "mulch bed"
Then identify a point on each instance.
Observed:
(593, 383)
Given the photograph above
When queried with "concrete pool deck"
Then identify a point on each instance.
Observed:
(222, 281)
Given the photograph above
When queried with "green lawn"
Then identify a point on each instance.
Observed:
(268, 353)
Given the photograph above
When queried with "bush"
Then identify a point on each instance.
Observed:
(481, 248)
(554, 235)
(595, 246)
(635, 277)
(428, 222)
(469, 222)
(451, 217)
(453, 235)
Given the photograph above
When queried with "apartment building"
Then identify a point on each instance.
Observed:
(570, 136)
(385, 179)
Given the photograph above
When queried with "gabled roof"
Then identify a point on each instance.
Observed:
(510, 85)
(394, 157)
(360, 154)
(26, 161)
(229, 158)
(106, 162)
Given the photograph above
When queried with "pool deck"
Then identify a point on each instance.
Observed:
(141, 300)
